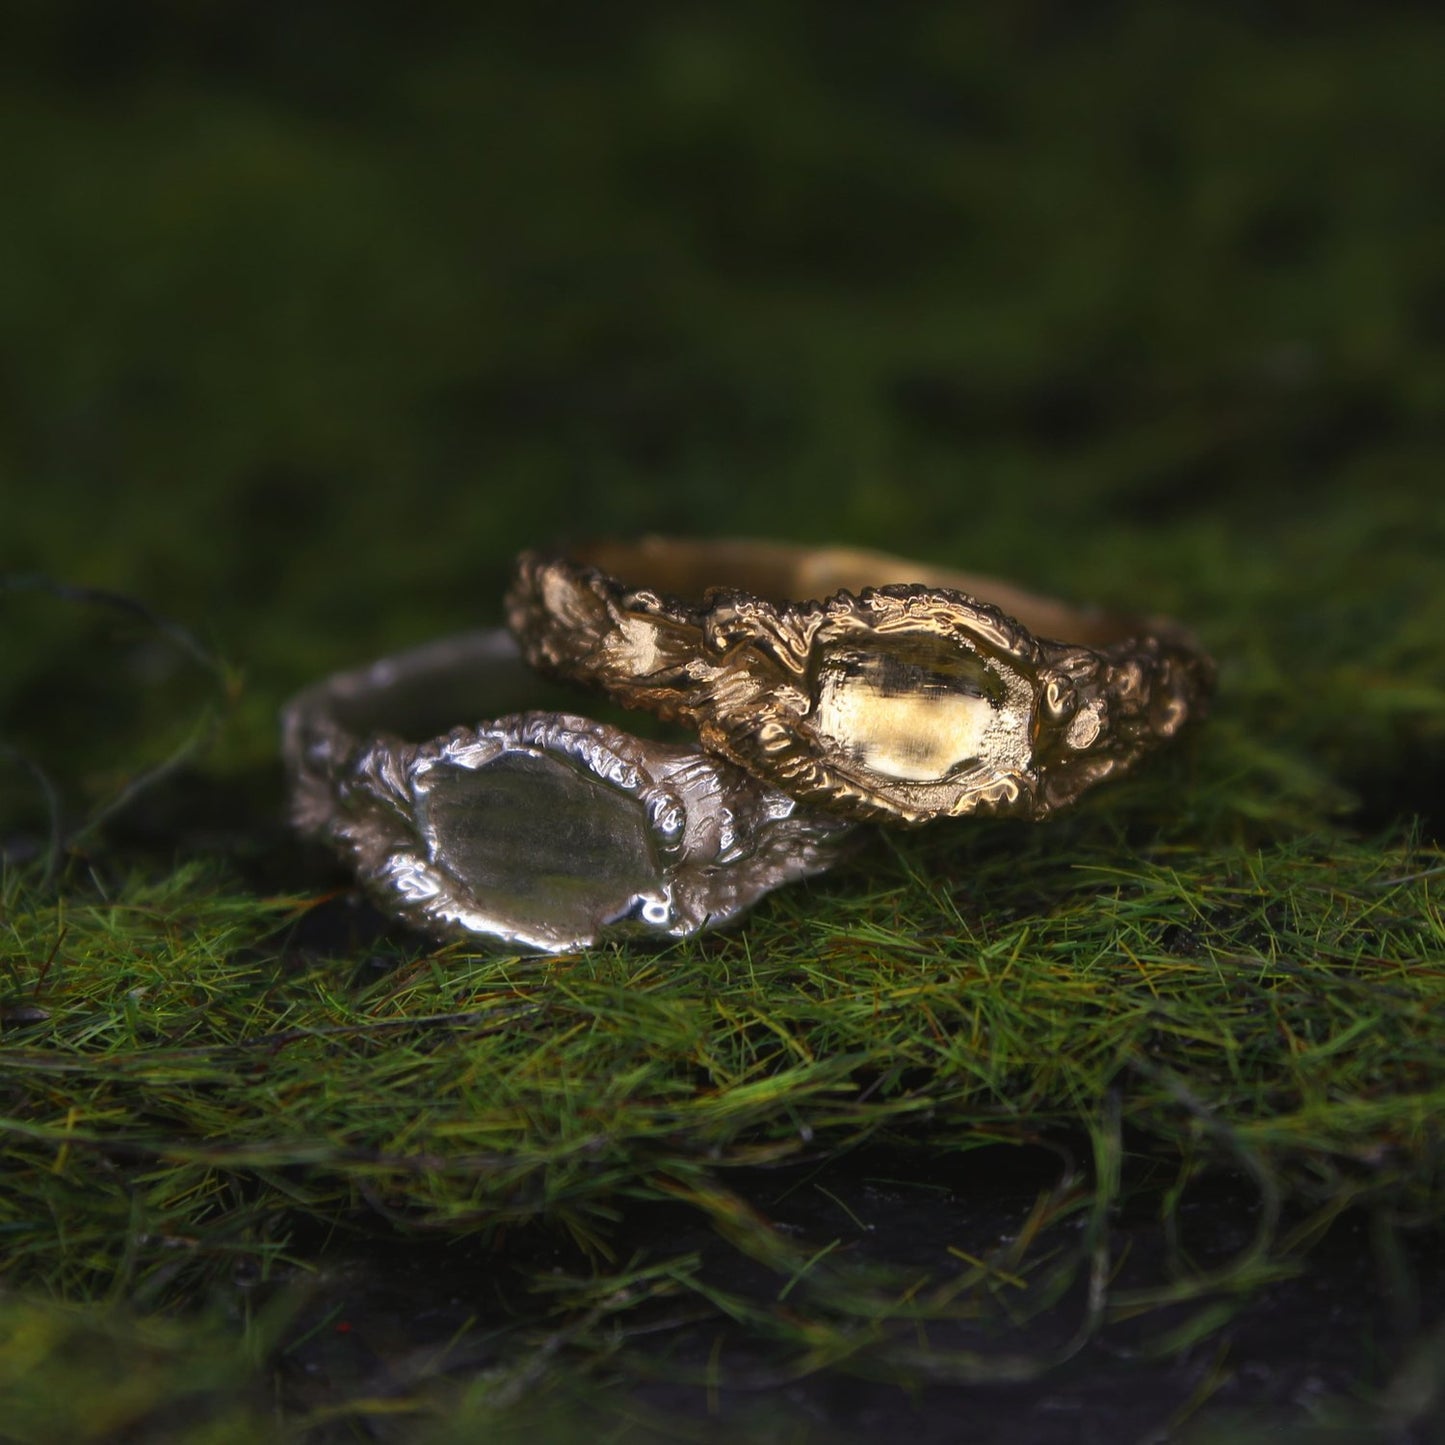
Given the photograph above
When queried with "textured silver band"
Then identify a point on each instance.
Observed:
(540, 830)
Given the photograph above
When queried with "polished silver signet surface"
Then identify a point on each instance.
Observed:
(543, 830)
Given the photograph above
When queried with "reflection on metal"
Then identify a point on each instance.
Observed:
(899, 697)
(541, 830)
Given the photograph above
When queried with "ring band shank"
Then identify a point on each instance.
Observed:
(778, 572)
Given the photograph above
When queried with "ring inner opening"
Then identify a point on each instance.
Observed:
(462, 681)
(687, 569)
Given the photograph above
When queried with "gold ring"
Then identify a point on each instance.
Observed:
(899, 695)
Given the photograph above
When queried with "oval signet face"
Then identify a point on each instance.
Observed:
(914, 709)
(538, 842)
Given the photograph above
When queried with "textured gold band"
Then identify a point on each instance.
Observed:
(899, 696)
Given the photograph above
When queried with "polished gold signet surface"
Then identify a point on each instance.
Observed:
(881, 688)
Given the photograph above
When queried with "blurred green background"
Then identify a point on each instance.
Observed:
(312, 315)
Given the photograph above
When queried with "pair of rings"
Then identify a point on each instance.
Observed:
(897, 694)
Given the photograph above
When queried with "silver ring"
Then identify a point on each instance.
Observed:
(541, 830)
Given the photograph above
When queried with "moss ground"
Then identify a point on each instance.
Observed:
(311, 323)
